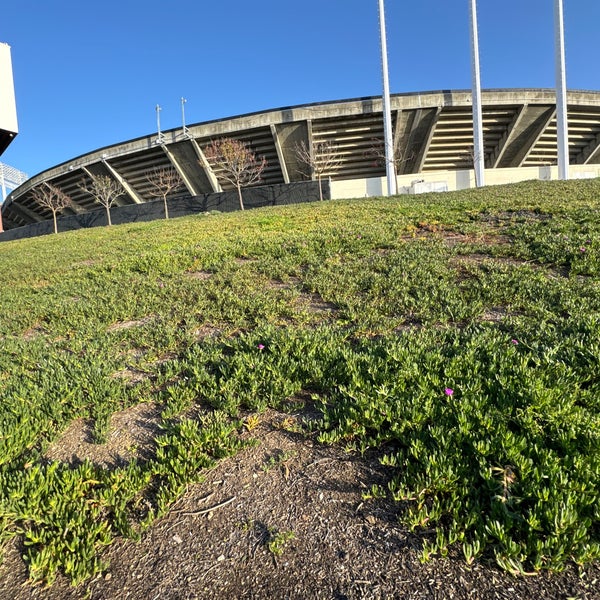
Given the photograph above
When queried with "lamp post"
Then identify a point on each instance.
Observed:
(390, 167)
(161, 138)
(562, 131)
(186, 132)
(478, 156)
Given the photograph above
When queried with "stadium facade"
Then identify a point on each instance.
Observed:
(432, 136)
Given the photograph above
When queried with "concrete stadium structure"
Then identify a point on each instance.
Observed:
(432, 135)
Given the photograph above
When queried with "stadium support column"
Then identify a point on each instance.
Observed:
(390, 167)
(478, 156)
(561, 92)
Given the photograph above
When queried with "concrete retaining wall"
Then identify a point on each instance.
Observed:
(454, 180)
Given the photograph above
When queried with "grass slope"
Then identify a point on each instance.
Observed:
(459, 334)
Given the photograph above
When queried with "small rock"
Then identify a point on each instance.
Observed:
(177, 539)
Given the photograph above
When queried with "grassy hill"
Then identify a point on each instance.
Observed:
(456, 334)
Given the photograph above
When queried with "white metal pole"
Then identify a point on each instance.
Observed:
(183, 101)
(478, 155)
(160, 139)
(390, 167)
(562, 130)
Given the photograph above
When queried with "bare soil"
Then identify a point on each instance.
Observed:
(284, 519)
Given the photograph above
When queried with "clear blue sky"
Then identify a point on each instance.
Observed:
(89, 74)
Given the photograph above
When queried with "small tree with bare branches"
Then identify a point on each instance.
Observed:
(53, 198)
(105, 191)
(163, 181)
(377, 153)
(236, 163)
(324, 158)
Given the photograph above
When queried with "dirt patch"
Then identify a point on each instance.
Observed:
(496, 314)
(314, 303)
(287, 519)
(129, 324)
(131, 434)
(200, 275)
(206, 331)
(33, 332)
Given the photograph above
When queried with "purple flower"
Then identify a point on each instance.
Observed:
(261, 346)
(448, 391)
(514, 342)
(582, 249)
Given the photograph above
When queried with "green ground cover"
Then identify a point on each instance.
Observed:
(458, 334)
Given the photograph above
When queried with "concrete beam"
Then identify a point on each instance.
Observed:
(594, 157)
(403, 128)
(206, 168)
(530, 145)
(532, 124)
(291, 135)
(186, 180)
(506, 139)
(590, 153)
(128, 189)
(280, 156)
(422, 156)
(102, 171)
(73, 208)
(27, 213)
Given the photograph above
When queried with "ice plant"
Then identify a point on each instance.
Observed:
(261, 347)
(514, 342)
(448, 391)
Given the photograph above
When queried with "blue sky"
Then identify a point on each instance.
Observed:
(89, 74)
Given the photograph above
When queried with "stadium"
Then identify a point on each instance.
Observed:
(432, 136)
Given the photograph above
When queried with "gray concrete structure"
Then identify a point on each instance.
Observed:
(433, 131)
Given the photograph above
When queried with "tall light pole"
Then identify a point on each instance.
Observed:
(186, 131)
(390, 167)
(161, 138)
(478, 156)
(562, 131)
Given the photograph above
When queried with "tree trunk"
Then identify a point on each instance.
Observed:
(108, 216)
(320, 189)
(239, 189)
(166, 208)
(55, 225)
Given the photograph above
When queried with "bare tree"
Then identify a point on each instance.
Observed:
(236, 163)
(163, 181)
(52, 198)
(377, 153)
(105, 191)
(324, 158)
